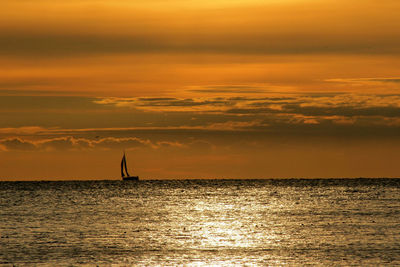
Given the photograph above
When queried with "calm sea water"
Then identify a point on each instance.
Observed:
(207, 222)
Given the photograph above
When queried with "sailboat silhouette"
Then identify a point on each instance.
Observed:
(124, 170)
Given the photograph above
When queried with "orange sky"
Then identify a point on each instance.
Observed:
(199, 89)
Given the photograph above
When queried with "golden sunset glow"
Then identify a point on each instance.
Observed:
(199, 89)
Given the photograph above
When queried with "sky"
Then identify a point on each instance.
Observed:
(199, 89)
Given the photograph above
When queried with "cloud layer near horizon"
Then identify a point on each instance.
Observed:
(253, 135)
(314, 113)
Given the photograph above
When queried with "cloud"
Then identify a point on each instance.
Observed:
(159, 102)
(229, 89)
(41, 45)
(301, 103)
(170, 144)
(348, 111)
(200, 104)
(30, 130)
(121, 143)
(63, 143)
(251, 27)
(366, 80)
(72, 143)
(17, 144)
(146, 117)
(372, 84)
(235, 125)
(168, 104)
(53, 102)
(254, 111)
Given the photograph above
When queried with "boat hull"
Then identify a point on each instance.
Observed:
(131, 178)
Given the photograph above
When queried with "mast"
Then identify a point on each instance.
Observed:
(122, 166)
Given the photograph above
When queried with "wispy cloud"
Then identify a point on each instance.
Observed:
(333, 104)
(201, 104)
(365, 80)
(73, 143)
(232, 89)
(169, 104)
(29, 130)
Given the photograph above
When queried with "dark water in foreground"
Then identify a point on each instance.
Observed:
(210, 222)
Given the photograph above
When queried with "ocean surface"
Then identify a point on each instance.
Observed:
(201, 222)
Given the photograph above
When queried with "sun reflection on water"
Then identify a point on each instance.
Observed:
(231, 225)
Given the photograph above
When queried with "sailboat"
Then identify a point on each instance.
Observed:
(124, 170)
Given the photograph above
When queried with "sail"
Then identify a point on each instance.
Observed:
(126, 169)
(123, 162)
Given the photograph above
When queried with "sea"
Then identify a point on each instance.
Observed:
(275, 222)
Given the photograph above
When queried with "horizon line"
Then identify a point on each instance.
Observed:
(197, 179)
